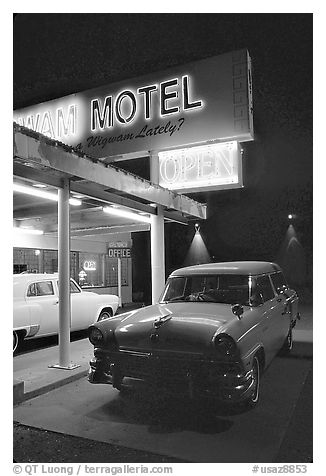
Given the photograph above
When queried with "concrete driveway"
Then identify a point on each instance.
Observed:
(194, 432)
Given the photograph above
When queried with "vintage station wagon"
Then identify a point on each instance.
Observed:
(36, 310)
(215, 329)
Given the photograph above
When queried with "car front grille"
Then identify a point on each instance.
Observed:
(147, 366)
(152, 368)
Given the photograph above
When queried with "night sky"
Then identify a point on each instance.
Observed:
(59, 54)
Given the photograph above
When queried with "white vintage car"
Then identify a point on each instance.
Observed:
(36, 310)
(214, 331)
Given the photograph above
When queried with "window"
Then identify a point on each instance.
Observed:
(74, 288)
(42, 288)
(32, 290)
(90, 270)
(265, 288)
(175, 289)
(224, 289)
(25, 259)
(111, 266)
(279, 282)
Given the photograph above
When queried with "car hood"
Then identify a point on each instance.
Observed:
(176, 327)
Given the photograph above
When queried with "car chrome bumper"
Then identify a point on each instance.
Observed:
(212, 380)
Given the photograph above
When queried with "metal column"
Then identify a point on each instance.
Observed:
(119, 282)
(64, 278)
(157, 239)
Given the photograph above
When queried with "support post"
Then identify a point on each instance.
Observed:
(40, 261)
(119, 282)
(103, 270)
(157, 239)
(64, 278)
(157, 254)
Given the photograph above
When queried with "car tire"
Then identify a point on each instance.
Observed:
(253, 400)
(16, 341)
(105, 315)
(288, 343)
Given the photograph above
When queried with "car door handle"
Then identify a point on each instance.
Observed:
(56, 302)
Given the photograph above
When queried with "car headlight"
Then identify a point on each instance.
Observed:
(95, 336)
(225, 346)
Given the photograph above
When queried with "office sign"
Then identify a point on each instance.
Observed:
(119, 252)
(208, 167)
(119, 249)
(207, 100)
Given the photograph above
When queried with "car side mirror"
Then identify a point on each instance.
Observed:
(237, 310)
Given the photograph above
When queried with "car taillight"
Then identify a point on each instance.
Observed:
(95, 336)
(225, 346)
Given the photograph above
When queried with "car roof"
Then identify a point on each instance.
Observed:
(21, 281)
(250, 268)
(29, 277)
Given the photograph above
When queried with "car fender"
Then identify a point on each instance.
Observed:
(27, 315)
(248, 357)
(106, 303)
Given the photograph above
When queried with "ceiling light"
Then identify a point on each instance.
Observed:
(126, 214)
(75, 202)
(75, 195)
(39, 185)
(42, 194)
(29, 231)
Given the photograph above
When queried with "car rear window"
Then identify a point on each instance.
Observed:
(41, 288)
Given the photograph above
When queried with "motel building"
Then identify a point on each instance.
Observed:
(77, 210)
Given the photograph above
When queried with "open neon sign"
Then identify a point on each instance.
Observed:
(208, 167)
(89, 266)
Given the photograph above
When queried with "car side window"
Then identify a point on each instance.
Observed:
(31, 290)
(42, 288)
(279, 282)
(265, 288)
(74, 288)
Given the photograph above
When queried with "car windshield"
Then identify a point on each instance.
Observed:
(217, 288)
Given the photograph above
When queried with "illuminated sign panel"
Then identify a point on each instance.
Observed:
(119, 252)
(208, 167)
(89, 265)
(207, 100)
(119, 249)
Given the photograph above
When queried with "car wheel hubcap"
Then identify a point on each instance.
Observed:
(105, 315)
